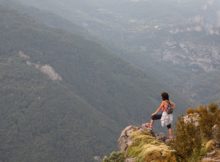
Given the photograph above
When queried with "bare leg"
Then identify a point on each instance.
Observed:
(151, 123)
(170, 133)
(153, 118)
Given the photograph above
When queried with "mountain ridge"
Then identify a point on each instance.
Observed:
(93, 95)
(144, 37)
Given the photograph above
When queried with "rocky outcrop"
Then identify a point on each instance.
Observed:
(216, 134)
(213, 146)
(125, 140)
(213, 156)
(197, 139)
(192, 118)
(141, 145)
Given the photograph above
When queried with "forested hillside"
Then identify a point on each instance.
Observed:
(62, 95)
(178, 39)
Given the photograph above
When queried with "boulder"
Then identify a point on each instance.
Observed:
(192, 118)
(210, 145)
(216, 134)
(213, 156)
(124, 140)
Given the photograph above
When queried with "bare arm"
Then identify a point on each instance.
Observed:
(158, 109)
(173, 105)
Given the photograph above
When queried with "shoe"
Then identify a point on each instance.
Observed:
(148, 126)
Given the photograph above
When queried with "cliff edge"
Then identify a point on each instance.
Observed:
(139, 144)
(197, 139)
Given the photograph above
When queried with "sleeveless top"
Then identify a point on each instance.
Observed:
(164, 109)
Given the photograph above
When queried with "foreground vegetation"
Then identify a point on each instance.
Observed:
(197, 133)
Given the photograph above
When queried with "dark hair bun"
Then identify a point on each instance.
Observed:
(165, 96)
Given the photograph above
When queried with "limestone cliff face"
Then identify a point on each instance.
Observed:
(139, 144)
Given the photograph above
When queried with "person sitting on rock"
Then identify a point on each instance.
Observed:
(166, 116)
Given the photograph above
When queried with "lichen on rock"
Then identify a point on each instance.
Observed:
(146, 148)
(138, 144)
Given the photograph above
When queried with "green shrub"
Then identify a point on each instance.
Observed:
(190, 111)
(188, 140)
(208, 118)
(213, 108)
(115, 157)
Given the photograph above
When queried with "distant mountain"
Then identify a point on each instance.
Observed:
(179, 36)
(42, 118)
(63, 94)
